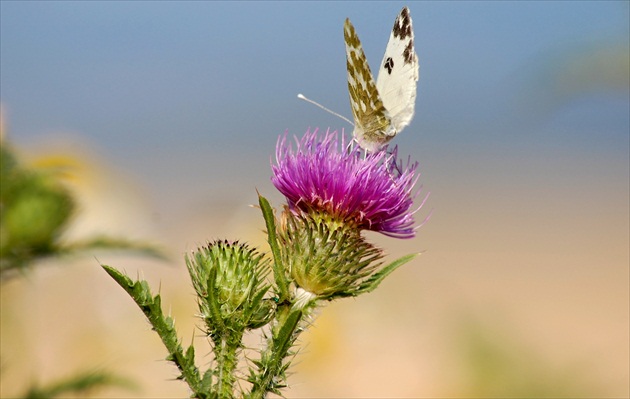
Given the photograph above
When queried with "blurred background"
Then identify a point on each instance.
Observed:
(167, 115)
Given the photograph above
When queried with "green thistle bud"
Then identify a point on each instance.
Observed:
(326, 258)
(230, 281)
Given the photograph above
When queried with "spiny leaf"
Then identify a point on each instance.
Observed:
(374, 280)
(278, 270)
(163, 325)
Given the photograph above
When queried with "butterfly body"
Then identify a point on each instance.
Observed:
(383, 108)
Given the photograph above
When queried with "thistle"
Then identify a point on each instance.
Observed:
(334, 190)
(342, 183)
(229, 279)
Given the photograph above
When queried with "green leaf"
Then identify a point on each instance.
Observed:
(284, 338)
(213, 302)
(278, 270)
(273, 361)
(375, 279)
(150, 306)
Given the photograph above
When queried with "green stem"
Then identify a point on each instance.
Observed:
(226, 354)
(272, 362)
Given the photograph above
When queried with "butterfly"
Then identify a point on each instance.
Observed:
(384, 108)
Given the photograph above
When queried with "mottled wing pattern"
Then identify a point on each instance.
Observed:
(398, 73)
(372, 123)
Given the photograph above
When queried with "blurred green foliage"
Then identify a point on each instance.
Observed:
(78, 385)
(34, 210)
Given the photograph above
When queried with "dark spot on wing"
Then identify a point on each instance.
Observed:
(402, 25)
(408, 54)
(389, 65)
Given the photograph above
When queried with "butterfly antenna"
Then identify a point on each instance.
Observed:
(302, 97)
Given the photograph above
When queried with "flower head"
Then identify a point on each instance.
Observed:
(229, 278)
(369, 191)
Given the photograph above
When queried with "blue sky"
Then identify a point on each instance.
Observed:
(195, 87)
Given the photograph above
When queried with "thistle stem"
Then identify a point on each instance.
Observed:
(226, 351)
(272, 362)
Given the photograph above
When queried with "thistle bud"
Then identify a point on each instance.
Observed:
(230, 282)
(325, 258)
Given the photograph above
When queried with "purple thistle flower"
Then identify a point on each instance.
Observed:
(370, 191)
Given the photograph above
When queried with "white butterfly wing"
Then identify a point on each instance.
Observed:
(372, 124)
(398, 72)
